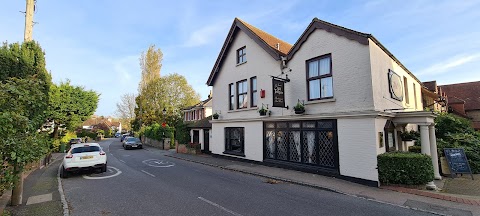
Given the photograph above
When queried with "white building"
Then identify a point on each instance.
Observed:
(357, 96)
(197, 118)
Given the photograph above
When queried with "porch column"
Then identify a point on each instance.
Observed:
(201, 138)
(433, 150)
(397, 142)
(425, 139)
(191, 135)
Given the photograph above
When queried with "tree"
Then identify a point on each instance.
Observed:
(150, 64)
(70, 105)
(24, 87)
(171, 92)
(456, 132)
(126, 109)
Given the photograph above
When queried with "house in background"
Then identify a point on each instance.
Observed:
(464, 100)
(103, 123)
(357, 96)
(198, 119)
(433, 97)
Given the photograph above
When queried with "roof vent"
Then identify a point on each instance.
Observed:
(278, 46)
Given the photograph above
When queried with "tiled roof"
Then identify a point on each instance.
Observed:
(269, 39)
(431, 85)
(201, 104)
(468, 92)
(203, 123)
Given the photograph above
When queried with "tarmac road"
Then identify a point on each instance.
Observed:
(145, 182)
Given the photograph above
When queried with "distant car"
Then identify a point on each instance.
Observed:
(123, 137)
(132, 142)
(75, 141)
(117, 135)
(83, 156)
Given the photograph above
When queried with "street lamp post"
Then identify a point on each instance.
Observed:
(164, 124)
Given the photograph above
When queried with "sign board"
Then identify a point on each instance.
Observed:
(457, 161)
(278, 93)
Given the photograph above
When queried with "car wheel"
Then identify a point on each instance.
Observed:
(104, 168)
(63, 173)
(141, 147)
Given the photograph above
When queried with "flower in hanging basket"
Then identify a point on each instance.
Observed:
(409, 135)
(215, 116)
(263, 111)
(299, 108)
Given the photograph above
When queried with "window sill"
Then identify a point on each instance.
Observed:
(241, 63)
(234, 153)
(245, 109)
(320, 101)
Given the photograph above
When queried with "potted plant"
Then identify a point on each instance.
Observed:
(263, 111)
(409, 135)
(215, 116)
(299, 108)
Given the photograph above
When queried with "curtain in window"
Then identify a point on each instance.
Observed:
(313, 69)
(324, 66)
(327, 87)
(314, 89)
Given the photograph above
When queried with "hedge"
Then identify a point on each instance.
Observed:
(157, 132)
(405, 168)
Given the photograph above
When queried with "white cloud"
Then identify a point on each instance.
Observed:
(449, 64)
(206, 34)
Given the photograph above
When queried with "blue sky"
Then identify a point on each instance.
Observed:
(96, 44)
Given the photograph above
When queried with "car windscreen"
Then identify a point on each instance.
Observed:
(85, 149)
(133, 139)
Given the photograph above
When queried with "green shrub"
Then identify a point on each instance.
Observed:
(456, 132)
(405, 168)
(157, 132)
(415, 149)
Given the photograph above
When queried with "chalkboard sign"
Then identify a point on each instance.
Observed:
(278, 93)
(457, 161)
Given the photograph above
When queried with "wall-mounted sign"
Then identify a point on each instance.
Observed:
(395, 85)
(278, 93)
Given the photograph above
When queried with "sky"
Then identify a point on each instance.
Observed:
(97, 44)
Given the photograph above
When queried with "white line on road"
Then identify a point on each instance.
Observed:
(121, 161)
(148, 173)
(219, 206)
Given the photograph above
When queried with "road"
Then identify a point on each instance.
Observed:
(145, 182)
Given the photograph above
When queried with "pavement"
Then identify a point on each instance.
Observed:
(43, 193)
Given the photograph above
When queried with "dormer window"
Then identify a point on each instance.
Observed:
(242, 55)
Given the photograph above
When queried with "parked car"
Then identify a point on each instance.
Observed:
(75, 141)
(132, 142)
(123, 137)
(83, 156)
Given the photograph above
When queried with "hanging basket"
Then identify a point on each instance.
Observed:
(299, 111)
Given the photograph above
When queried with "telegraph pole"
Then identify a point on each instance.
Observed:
(17, 190)
(30, 8)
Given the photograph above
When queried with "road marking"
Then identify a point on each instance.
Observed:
(121, 161)
(110, 168)
(219, 206)
(148, 173)
(159, 163)
(39, 199)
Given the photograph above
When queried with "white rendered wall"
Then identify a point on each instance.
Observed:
(352, 86)
(357, 150)
(259, 63)
(381, 63)
(253, 139)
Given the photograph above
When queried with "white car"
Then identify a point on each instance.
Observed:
(84, 156)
